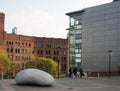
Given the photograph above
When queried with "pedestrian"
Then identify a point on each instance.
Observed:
(74, 72)
(81, 72)
(70, 72)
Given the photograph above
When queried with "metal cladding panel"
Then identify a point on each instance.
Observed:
(100, 33)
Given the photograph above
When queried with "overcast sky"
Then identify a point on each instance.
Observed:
(42, 18)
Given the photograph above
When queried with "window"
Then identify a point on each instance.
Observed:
(78, 36)
(72, 45)
(8, 50)
(7, 43)
(78, 55)
(78, 22)
(18, 43)
(18, 58)
(11, 50)
(32, 51)
(12, 43)
(77, 50)
(77, 60)
(22, 44)
(22, 65)
(72, 39)
(17, 51)
(18, 66)
(40, 52)
(47, 52)
(15, 43)
(22, 58)
(78, 46)
(26, 51)
(29, 45)
(56, 59)
(72, 21)
(56, 52)
(63, 59)
(63, 67)
(48, 46)
(75, 23)
(41, 46)
(26, 44)
(64, 53)
(22, 51)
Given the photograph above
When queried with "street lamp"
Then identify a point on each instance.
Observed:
(110, 54)
(58, 59)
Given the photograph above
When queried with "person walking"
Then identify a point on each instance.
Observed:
(74, 72)
(70, 72)
(81, 72)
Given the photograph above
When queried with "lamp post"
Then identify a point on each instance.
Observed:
(110, 54)
(58, 59)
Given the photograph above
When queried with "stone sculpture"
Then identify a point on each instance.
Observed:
(35, 77)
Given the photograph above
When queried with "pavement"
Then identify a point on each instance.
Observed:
(67, 84)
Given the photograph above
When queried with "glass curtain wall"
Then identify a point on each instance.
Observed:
(75, 37)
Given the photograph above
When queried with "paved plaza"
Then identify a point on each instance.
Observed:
(67, 84)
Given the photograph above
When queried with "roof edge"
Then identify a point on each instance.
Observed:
(75, 12)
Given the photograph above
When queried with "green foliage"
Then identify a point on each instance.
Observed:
(5, 62)
(45, 64)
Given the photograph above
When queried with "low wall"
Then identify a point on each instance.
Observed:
(101, 74)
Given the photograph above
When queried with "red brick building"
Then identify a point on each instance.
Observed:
(21, 48)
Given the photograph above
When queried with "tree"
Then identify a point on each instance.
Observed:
(10, 72)
(5, 62)
(45, 64)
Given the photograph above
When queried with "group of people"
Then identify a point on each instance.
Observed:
(73, 72)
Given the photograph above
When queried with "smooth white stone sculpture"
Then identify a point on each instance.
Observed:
(34, 76)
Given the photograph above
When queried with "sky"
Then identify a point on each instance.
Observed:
(42, 18)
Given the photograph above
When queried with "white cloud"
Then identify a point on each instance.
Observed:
(35, 22)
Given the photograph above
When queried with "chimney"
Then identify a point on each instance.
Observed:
(2, 17)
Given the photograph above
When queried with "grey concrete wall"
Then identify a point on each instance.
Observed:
(101, 32)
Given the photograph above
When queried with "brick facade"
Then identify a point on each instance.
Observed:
(48, 47)
(21, 48)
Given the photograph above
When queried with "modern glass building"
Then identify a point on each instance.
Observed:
(75, 37)
(94, 36)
